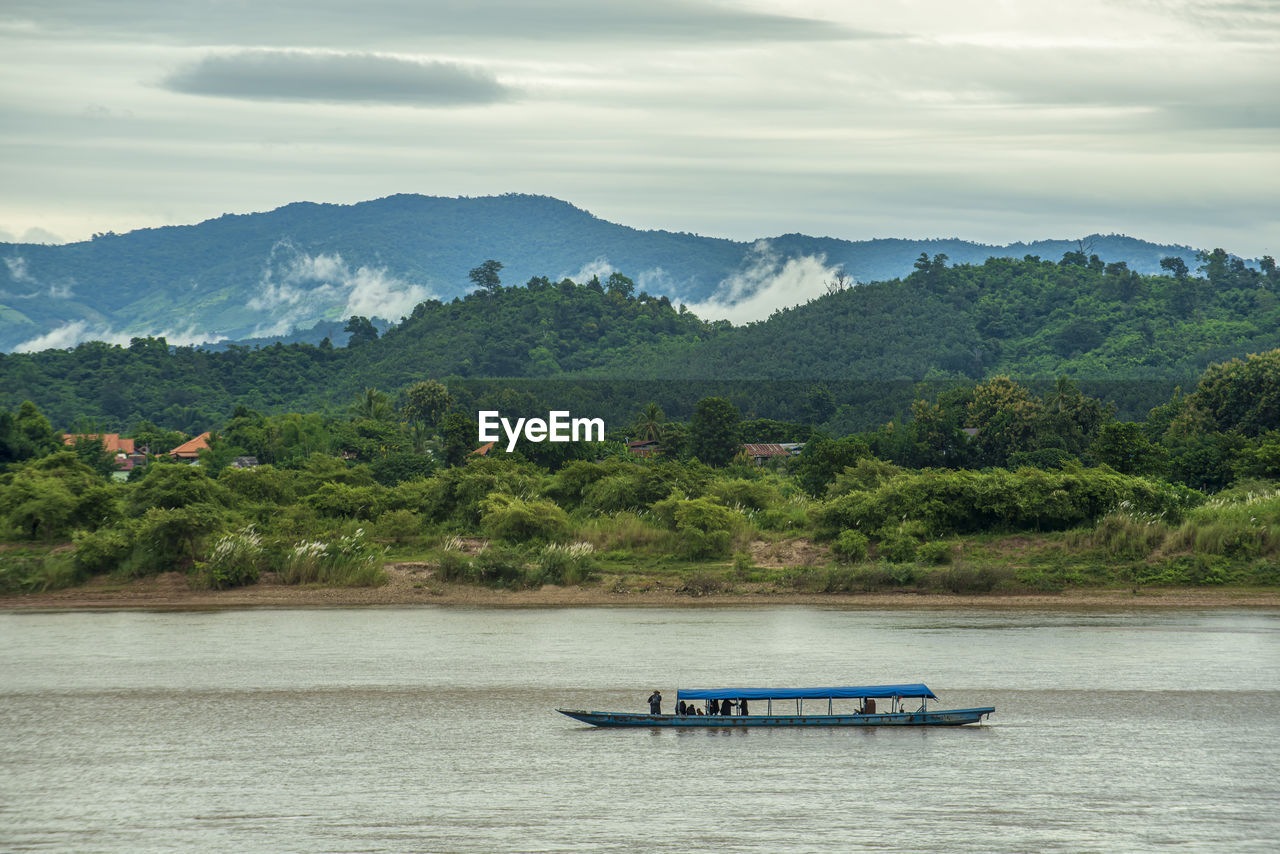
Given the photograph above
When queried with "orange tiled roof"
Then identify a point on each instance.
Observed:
(111, 442)
(191, 449)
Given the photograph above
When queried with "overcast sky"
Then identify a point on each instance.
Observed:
(991, 121)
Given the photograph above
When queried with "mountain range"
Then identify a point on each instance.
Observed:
(295, 273)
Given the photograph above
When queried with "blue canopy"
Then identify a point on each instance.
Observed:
(914, 689)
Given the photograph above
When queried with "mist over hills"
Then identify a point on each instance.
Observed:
(267, 275)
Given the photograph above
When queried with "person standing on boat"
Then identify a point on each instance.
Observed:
(655, 702)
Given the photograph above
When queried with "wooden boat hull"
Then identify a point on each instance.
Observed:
(941, 717)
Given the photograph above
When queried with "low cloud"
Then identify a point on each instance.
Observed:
(768, 283)
(69, 335)
(75, 332)
(291, 75)
(297, 287)
(18, 268)
(21, 274)
(600, 268)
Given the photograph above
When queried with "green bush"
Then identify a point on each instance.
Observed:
(850, 546)
(101, 551)
(342, 501)
(38, 572)
(519, 520)
(168, 539)
(934, 552)
(955, 502)
(498, 566)
(751, 494)
(399, 525)
(453, 566)
(900, 543)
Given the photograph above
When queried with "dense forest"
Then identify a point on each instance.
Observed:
(850, 360)
(1186, 496)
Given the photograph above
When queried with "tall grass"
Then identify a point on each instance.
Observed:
(235, 559)
(625, 532)
(346, 562)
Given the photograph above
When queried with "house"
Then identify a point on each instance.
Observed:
(111, 442)
(484, 449)
(644, 448)
(761, 454)
(125, 456)
(190, 450)
(244, 463)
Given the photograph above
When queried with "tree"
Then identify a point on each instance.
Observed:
(50, 497)
(373, 405)
(169, 486)
(1124, 447)
(362, 331)
(840, 281)
(715, 431)
(460, 437)
(650, 423)
(485, 277)
(823, 459)
(1175, 266)
(1006, 416)
(620, 285)
(818, 405)
(426, 402)
(35, 435)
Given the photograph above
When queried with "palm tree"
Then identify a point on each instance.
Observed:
(372, 404)
(651, 423)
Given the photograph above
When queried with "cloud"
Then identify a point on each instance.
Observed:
(39, 235)
(337, 22)
(18, 268)
(69, 335)
(599, 267)
(297, 286)
(18, 271)
(75, 332)
(288, 75)
(768, 284)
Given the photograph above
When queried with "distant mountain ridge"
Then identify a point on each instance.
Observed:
(265, 275)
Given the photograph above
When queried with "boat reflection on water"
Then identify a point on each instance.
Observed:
(907, 705)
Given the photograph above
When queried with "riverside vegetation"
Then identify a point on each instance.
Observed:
(975, 485)
(1102, 504)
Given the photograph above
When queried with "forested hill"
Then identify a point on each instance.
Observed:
(266, 274)
(1031, 318)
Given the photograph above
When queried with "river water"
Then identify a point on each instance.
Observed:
(432, 729)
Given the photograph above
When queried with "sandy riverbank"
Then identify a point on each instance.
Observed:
(412, 584)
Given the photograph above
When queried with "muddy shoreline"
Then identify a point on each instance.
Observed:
(412, 584)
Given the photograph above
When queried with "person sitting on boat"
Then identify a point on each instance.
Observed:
(742, 706)
(713, 707)
(681, 709)
(726, 707)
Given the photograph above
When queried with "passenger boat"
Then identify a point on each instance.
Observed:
(908, 705)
